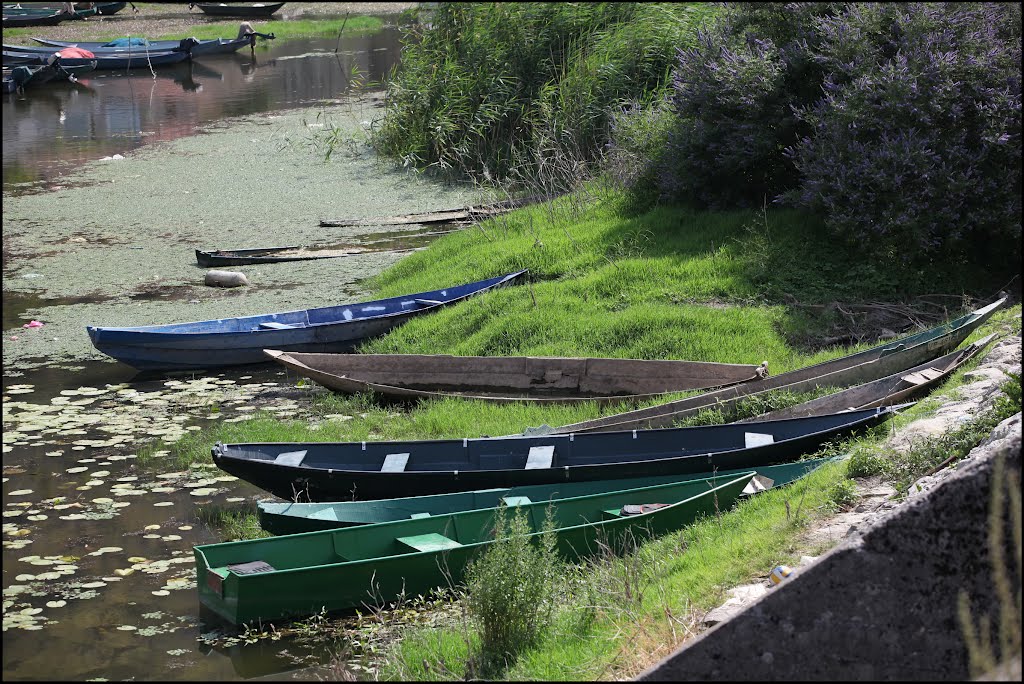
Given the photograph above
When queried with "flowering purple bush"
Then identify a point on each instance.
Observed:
(900, 124)
(916, 141)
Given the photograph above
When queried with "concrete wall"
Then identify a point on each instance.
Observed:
(881, 605)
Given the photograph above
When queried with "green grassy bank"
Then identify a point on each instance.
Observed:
(670, 283)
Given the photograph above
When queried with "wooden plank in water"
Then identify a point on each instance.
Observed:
(442, 216)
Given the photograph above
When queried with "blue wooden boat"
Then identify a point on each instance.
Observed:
(236, 341)
(294, 518)
(111, 61)
(338, 471)
(213, 46)
(300, 574)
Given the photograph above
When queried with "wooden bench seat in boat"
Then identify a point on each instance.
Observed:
(429, 542)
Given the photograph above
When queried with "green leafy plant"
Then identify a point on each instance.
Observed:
(510, 588)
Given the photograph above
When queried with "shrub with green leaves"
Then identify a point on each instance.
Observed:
(510, 588)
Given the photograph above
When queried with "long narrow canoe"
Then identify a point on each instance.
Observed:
(510, 378)
(266, 255)
(241, 340)
(238, 9)
(293, 518)
(18, 20)
(865, 366)
(340, 471)
(299, 574)
(121, 60)
(892, 389)
(213, 46)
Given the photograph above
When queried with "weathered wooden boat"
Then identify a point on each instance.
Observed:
(458, 216)
(300, 574)
(892, 389)
(864, 366)
(241, 340)
(294, 518)
(237, 9)
(266, 255)
(105, 61)
(511, 378)
(198, 48)
(380, 470)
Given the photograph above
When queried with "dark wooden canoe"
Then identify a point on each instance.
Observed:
(103, 61)
(892, 389)
(18, 20)
(241, 340)
(299, 574)
(861, 367)
(108, 8)
(510, 378)
(294, 518)
(266, 255)
(382, 470)
(238, 9)
(214, 46)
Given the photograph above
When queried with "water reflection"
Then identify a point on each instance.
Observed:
(47, 131)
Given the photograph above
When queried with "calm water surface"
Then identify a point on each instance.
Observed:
(92, 621)
(58, 126)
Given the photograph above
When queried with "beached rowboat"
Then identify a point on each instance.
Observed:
(511, 378)
(293, 518)
(300, 574)
(892, 389)
(241, 340)
(237, 9)
(338, 471)
(861, 367)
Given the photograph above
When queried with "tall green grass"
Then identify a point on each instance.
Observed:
(498, 89)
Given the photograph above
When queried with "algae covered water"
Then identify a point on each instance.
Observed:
(98, 578)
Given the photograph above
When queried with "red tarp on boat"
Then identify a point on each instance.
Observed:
(76, 53)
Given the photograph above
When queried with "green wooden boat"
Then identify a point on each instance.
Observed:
(294, 518)
(300, 574)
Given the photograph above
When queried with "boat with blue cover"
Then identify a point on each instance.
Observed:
(339, 471)
(241, 340)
